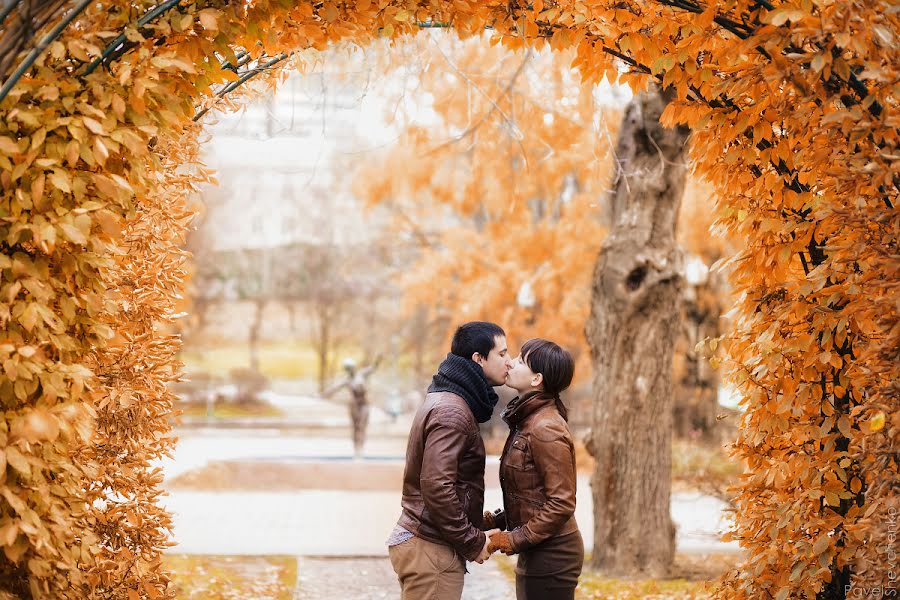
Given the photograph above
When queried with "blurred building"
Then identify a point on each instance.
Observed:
(285, 165)
(281, 223)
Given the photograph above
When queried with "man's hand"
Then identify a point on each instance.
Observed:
(499, 540)
(485, 553)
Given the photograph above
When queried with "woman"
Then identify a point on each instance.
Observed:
(537, 474)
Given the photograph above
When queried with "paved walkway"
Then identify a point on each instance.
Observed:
(340, 523)
(196, 448)
(330, 522)
(338, 535)
(373, 578)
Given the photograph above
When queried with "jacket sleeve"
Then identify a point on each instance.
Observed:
(554, 460)
(446, 438)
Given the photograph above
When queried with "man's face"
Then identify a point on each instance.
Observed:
(496, 364)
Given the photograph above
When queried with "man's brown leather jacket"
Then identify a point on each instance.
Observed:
(443, 483)
(537, 474)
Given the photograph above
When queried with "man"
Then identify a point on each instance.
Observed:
(443, 483)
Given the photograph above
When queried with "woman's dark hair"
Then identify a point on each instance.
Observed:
(476, 336)
(551, 361)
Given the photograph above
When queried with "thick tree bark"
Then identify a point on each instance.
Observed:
(255, 328)
(632, 331)
(697, 384)
(323, 341)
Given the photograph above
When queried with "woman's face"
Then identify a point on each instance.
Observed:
(521, 378)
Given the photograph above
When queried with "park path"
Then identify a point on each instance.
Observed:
(338, 535)
(373, 579)
(339, 522)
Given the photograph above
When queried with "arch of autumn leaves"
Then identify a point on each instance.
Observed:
(793, 108)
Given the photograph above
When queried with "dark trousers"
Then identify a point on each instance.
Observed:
(550, 570)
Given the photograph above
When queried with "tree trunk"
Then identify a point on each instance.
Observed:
(253, 338)
(697, 383)
(632, 331)
(323, 343)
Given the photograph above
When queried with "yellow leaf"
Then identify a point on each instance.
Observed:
(100, 151)
(105, 185)
(18, 461)
(37, 140)
(152, 592)
(123, 183)
(118, 105)
(93, 125)
(876, 423)
(209, 18)
(110, 223)
(30, 316)
(15, 551)
(844, 426)
(40, 425)
(73, 234)
(8, 146)
(10, 531)
(330, 13)
(37, 192)
(60, 180)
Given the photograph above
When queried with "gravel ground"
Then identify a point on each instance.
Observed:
(373, 579)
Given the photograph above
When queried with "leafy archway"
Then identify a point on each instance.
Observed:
(793, 107)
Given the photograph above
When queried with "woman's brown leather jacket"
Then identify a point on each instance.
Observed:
(537, 472)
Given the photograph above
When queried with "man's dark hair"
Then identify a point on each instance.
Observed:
(551, 361)
(476, 336)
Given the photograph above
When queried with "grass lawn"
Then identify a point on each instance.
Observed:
(231, 410)
(693, 578)
(289, 360)
(595, 587)
(689, 458)
(205, 577)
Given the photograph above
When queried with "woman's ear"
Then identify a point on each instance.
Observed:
(538, 380)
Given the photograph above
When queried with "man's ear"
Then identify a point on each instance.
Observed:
(478, 358)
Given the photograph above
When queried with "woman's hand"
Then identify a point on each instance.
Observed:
(486, 549)
(488, 520)
(494, 520)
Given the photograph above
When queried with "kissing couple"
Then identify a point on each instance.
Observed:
(443, 523)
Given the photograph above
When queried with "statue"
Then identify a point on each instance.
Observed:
(359, 404)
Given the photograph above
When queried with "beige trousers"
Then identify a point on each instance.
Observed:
(427, 571)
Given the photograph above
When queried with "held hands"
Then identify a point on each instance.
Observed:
(499, 540)
(485, 550)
